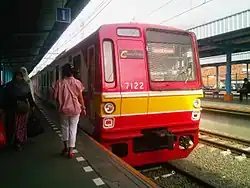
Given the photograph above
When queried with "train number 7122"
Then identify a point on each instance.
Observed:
(134, 85)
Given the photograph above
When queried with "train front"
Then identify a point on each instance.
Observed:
(174, 96)
(160, 97)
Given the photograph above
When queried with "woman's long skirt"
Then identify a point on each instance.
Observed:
(21, 127)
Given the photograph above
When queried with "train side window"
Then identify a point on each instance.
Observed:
(108, 60)
(77, 66)
(51, 78)
(91, 56)
(91, 64)
(57, 73)
(43, 80)
(48, 79)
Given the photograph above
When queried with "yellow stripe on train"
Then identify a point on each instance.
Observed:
(148, 102)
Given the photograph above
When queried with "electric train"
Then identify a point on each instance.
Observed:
(142, 90)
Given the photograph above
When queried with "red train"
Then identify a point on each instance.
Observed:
(143, 90)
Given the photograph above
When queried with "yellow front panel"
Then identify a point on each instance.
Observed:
(145, 104)
(134, 105)
(171, 103)
(115, 100)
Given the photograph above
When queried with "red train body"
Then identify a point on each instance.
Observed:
(143, 84)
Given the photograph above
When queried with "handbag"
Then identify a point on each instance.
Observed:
(73, 96)
(22, 107)
(34, 128)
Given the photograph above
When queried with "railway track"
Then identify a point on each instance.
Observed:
(165, 174)
(172, 174)
(225, 142)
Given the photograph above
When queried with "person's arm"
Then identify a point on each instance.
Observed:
(31, 89)
(80, 89)
(30, 99)
(80, 98)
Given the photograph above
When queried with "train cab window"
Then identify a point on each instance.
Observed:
(128, 32)
(108, 60)
(170, 56)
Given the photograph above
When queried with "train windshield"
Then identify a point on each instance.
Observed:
(170, 57)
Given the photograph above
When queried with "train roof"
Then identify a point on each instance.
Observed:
(116, 25)
(139, 25)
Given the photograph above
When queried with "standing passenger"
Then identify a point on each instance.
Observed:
(68, 94)
(27, 80)
(17, 102)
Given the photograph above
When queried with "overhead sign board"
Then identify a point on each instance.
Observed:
(63, 15)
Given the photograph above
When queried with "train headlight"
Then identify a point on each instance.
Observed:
(109, 108)
(197, 103)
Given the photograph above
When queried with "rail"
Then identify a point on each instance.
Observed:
(173, 169)
(227, 111)
(225, 142)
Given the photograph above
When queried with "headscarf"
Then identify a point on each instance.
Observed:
(20, 88)
(27, 80)
(25, 74)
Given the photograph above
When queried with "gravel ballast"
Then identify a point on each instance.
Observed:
(176, 180)
(219, 168)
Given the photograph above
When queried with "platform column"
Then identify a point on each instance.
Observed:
(217, 76)
(228, 96)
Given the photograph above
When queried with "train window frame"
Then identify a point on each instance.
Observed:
(179, 34)
(48, 79)
(77, 64)
(126, 29)
(93, 62)
(43, 79)
(51, 76)
(110, 70)
(57, 72)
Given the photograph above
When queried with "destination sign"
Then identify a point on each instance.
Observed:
(131, 54)
(163, 50)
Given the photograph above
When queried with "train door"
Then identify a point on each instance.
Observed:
(133, 78)
(77, 67)
(91, 82)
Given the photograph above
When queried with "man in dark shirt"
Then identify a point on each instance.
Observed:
(245, 89)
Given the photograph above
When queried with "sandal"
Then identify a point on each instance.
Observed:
(70, 155)
(19, 147)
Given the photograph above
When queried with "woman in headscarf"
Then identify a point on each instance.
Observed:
(18, 100)
(27, 80)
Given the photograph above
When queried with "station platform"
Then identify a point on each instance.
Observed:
(229, 118)
(219, 104)
(40, 163)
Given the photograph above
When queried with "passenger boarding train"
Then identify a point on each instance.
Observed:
(143, 89)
